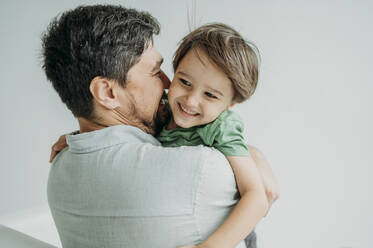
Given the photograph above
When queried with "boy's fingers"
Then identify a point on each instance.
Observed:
(62, 139)
(53, 154)
(57, 147)
(55, 150)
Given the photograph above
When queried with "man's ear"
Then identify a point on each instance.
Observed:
(103, 92)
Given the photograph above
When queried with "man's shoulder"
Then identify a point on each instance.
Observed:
(214, 156)
(205, 155)
(180, 152)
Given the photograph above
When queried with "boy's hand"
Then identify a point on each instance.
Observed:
(57, 147)
(272, 189)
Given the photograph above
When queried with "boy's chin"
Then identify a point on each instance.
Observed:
(181, 124)
(189, 125)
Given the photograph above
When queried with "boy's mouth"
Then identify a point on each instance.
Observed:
(187, 112)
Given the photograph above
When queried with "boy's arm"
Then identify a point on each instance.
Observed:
(249, 210)
(271, 186)
(58, 146)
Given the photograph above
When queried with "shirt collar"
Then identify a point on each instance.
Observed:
(106, 137)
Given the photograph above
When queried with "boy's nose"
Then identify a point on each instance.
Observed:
(192, 100)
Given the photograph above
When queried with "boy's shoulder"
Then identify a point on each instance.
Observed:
(228, 123)
(226, 120)
(229, 116)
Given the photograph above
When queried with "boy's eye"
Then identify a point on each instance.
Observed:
(208, 94)
(183, 81)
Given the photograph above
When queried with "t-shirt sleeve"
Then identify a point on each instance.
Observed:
(225, 134)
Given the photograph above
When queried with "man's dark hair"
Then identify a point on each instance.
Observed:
(91, 41)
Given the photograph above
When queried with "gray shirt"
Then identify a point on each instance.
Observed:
(118, 187)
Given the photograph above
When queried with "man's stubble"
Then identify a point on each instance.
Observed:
(134, 116)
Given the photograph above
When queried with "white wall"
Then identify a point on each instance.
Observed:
(311, 114)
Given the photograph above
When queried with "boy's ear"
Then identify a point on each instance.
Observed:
(103, 92)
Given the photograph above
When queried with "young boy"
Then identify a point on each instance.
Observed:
(214, 69)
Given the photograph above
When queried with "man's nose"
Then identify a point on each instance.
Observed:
(165, 80)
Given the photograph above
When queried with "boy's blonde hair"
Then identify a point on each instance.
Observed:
(229, 51)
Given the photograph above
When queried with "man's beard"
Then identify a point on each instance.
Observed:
(154, 125)
(135, 117)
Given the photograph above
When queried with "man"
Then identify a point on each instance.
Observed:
(115, 185)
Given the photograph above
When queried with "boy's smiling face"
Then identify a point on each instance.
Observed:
(199, 91)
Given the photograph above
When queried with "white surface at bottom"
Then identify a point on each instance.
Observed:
(37, 223)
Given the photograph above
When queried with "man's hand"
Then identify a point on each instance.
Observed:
(57, 147)
(271, 186)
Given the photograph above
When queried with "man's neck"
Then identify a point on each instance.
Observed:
(93, 125)
(89, 126)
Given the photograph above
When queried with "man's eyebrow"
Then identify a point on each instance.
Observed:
(209, 88)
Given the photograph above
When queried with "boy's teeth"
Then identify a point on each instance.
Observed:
(187, 111)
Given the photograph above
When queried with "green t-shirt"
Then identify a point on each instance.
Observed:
(225, 134)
